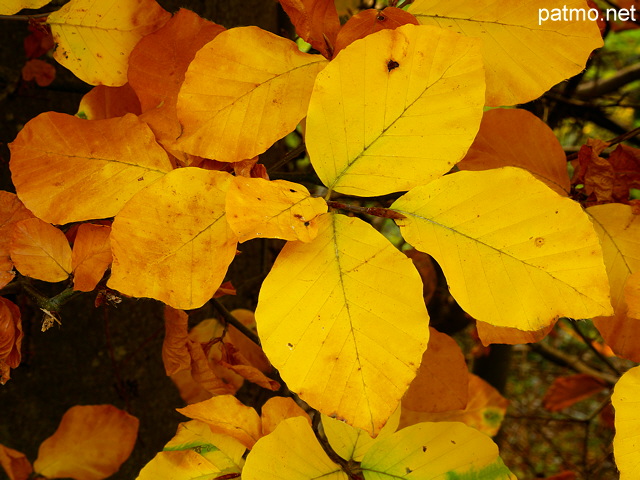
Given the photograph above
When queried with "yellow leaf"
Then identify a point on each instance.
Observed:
(632, 294)
(625, 443)
(619, 232)
(226, 415)
(175, 232)
(66, 169)
(94, 39)
(352, 443)
(277, 409)
(395, 110)
(91, 256)
(485, 409)
(291, 452)
(537, 149)
(345, 311)
(9, 7)
(243, 91)
(90, 444)
(277, 209)
(489, 334)
(515, 253)
(181, 465)
(524, 56)
(15, 464)
(39, 250)
(428, 451)
(11, 211)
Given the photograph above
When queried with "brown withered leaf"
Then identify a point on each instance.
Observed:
(625, 161)
(371, 21)
(15, 464)
(597, 175)
(42, 72)
(566, 391)
(10, 338)
(316, 22)
(234, 360)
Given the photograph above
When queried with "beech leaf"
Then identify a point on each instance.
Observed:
(276, 209)
(11, 211)
(625, 443)
(619, 232)
(435, 450)
(524, 57)
(344, 310)
(94, 39)
(509, 246)
(104, 102)
(90, 444)
(395, 110)
(566, 391)
(243, 91)
(9, 7)
(277, 409)
(176, 232)
(292, 452)
(91, 256)
(39, 250)
(66, 169)
(316, 22)
(15, 464)
(11, 335)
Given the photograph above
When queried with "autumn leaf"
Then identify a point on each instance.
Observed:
(66, 169)
(108, 102)
(316, 22)
(243, 91)
(427, 271)
(485, 409)
(625, 443)
(42, 72)
(489, 334)
(370, 21)
(277, 409)
(524, 57)
(10, 338)
(39, 250)
(175, 355)
(91, 256)
(90, 443)
(619, 232)
(15, 464)
(226, 415)
(536, 150)
(176, 232)
(339, 311)
(441, 383)
(352, 443)
(157, 66)
(395, 110)
(290, 452)
(566, 391)
(435, 450)
(509, 247)
(276, 209)
(94, 39)
(11, 211)
(9, 7)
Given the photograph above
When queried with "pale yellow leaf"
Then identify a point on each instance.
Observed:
(276, 209)
(243, 91)
(395, 110)
(524, 57)
(514, 252)
(172, 242)
(291, 452)
(343, 320)
(94, 38)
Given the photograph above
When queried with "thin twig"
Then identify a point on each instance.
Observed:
(226, 315)
(614, 141)
(293, 154)
(598, 354)
(375, 211)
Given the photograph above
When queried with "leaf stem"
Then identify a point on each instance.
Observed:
(226, 315)
(375, 211)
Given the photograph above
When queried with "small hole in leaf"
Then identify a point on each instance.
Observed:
(292, 190)
(392, 64)
(306, 224)
(380, 17)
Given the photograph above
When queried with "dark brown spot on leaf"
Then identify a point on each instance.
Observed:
(292, 190)
(306, 224)
(392, 64)
(380, 17)
(424, 448)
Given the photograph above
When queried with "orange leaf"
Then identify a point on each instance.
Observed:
(11, 211)
(91, 256)
(39, 250)
(109, 102)
(249, 350)
(566, 391)
(537, 149)
(316, 22)
(157, 66)
(371, 21)
(225, 414)
(175, 354)
(190, 391)
(15, 464)
(90, 443)
(42, 72)
(10, 338)
(226, 288)
(203, 374)
(66, 169)
(489, 334)
(441, 383)
(277, 409)
(238, 363)
(484, 411)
